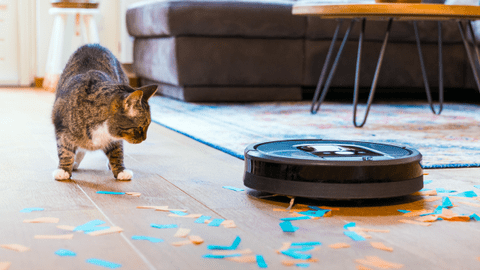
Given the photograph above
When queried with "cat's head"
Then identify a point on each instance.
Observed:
(131, 115)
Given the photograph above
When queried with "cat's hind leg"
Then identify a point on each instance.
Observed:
(79, 154)
(66, 155)
(114, 153)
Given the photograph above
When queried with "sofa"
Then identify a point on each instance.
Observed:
(256, 50)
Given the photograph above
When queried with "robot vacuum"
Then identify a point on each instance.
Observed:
(331, 169)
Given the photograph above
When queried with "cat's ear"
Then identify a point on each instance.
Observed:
(133, 98)
(148, 91)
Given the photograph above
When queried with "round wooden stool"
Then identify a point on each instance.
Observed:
(84, 25)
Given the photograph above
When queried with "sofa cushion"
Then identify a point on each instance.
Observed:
(261, 18)
(212, 61)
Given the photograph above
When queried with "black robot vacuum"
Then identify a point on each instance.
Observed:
(330, 169)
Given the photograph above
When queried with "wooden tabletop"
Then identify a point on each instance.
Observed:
(398, 11)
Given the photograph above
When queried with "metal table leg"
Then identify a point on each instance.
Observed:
(316, 102)
(375, 78)
(424, 72)
(469, 53)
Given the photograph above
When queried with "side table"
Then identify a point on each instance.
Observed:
(390, 12)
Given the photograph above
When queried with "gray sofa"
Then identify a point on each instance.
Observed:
(243, 50)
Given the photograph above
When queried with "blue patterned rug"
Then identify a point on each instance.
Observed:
(449, 140)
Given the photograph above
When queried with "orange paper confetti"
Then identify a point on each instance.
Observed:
(339, 245)
(195, 239)
(377, 262)
(294, 262)
(471, 204)
(60, 236)
(230, 252)
(380, 245)
(416, 213)
(5, 265)
(228, 224)
(42, 220)
(285, 246)
(182, 243)
(243, 259)
(16, 247)
(66, 227)
(153, 207)
(106, 231)
(134, 194)
(182, 232)
(414, 222)
(186, 216)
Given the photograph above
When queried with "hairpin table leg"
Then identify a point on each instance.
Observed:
(316, 102)
(469, 53)
(375, 78)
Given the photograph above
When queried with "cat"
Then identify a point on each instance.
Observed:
(95, 108)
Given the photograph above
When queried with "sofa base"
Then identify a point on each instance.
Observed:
(227, 93)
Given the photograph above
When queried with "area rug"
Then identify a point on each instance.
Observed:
(449, 140)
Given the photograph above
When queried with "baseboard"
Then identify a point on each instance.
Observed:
(133, 81)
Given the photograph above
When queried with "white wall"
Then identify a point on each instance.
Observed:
(108, 22)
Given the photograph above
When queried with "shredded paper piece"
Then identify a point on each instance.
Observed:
(60, 236)
(229, 252)
(16, 247)
(164, 226)
(261, 262)
(295, 254)
(195, 239)
(354, 236)
(228, 224)
(377, 262)
(106, 231)
(134, 194)
(182, 232)
(110, 192)
(5, 265)
(297, 261)
(243, 259)
(233, 246)
(414, 222)
(89, 225)
(233, 188)
(288, 227)
(380, 245)
(31, 209)
(339, 245)
(104, 263)
(42, 220)
(65, 252)
(182, 243)
(216, 222)
(66, 227)
(151, 239)
(202, 219)
(468, 194)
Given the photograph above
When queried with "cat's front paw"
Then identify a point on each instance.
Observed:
(125, 175)
(60, 174)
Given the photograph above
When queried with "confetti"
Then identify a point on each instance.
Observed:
(319, 213)
(5, 265)
(148, 238)
(243, 259)
(66, 227)
(195, 239)
(414, 222)
(170, 210)
(261, 262)
(227, 252)
(297, 261)
(134, 194)
(446, 203)
(404, 211)
(442, 190)
(471, 204)
(182, 232)
(110, 192)
(31, 209)
(60, 236)
(211, 256)
(178, 213)
(475, 217)
(233, 188)
(377, 262)
(42, 220)
(449, 215)
(202, 219)
(164, 226)
(182, 243)
(380, 245)
(339, 245)
(16, 247)
(216, 222)
(65, 252)
(288, 227)
(89, 225)
(233, 246)
(369, 230)
(427, 182)
(107, 231)
(477, 186)
(228, 224)
(302, 265)
(153, 207)
(306, 244)
(416, 213)
(301, 217)
(426, 193)
(103, 263)
(430, 218)
(348, 225)
(295, 254)
(468, 194)
(354, 236)
(285, 246)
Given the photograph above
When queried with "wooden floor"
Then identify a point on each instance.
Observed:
(173, 170)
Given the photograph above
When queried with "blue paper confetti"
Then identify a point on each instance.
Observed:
(288, 227)
(93, 229)
(318, 213)
(89, 225)
(65, 252)
(354, 236)
(202, 219)
(151, 239)
(261, 261)
(110, 192)
(306, 244)
(296, 255)
(442, 190)
(303, 265)
(477, 186)
(164, 226)
(233, 246)
(446, 203)
(31, 209)
(212, 256)
(233, 188)
(104, 263)
(295, 218)
(403, 211)
(301, 248)
(348, 225)
(475, 217)
(468, 194)
(216, 222)
(178, 213)
(427, 182)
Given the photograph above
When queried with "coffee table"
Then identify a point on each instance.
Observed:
(391, 12)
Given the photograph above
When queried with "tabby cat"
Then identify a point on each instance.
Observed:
(95, 108)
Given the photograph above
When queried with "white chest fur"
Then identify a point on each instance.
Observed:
(101, 137)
